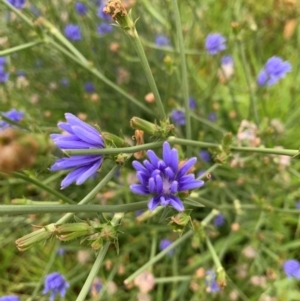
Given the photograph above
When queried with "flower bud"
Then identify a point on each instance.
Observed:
(143, 125)
(113, 140)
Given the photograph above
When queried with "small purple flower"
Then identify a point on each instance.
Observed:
(210, 280)
(104, 28)
(164, 179)
(164, 243)
(82, 136)
(215, 43)
(178, 117)
(13, 115)
(161, 41)
(274, 69)
(205, 156)
(55, 283)
(212, 117)
(2, 60)
(3, 75)
(192, 103)
(101, 14)
(81, 8)
(298, 205)
(72, 32)
(65, 82)
(9, 298)
(89, 87)
(227, 60)
(291, 268)
(19, 4)
(219, 220)
(61, 251)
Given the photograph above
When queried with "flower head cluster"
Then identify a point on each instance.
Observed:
(178, 116)
(210, 280)
(9, 298)
(80, 136)
(215, 43)
(3, 75)
(13, 115)
(73, 32)
(55, 283)
(19, 4)
(205, 156)
(161, 41)
(164, 179)
(164, 243)
(81, 8)
(291, 268)
(274, 69)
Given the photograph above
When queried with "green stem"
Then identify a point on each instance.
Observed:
(214, 255)
(172, 140)
(18, 13)
(173, 279)
(208, 123)
(20, 47)
(145, 64)
(47, 188)
(159, 256)
(253, 106)
(184, 79)
(31, 209)
(97, 264)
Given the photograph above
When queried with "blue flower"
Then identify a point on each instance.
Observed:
(274, 69)
(291, 268)
(210, 280)
(178, 117)
(13, 115)
(215, 43)
(161, 41)
(80, 136)
(227, 60)
(96, 287)
(164, 179)
(205, 156)
(2, 60)
(164, 243)
(61, 251)
(104, 28)
(3, 75)
(219, 220)
(64, 82)
(212, 117)
(298, 205)
(81, 8)
(89, 87)
(192, 103)
(55, 283)
(17, 3)
(72, 32)
(101, 14)
(9, 298)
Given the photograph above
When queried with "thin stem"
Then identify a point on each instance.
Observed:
(145, 64)
(208, 123)
(97, 264)
(214, 255)
(185, 86)
(172, 140)
(159, 256)
(35, 209)
(253, 106)
(173, 279)
(47, 188)
(20, 47)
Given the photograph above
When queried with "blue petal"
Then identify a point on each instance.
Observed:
(152, 186)
(191, 185)
(87, 136)
(164, 201)
(186, 166)
(174, 187)
(166, 153)
(64, 144)
(159, 184)
(74, 121)
(142, 177)
(76, 161)
(139, 189)
(65, 127)
(153, 203)
(89, 172)
(153, 158)
(148, 166)
(169, 173)
(139, 167)
(176, 203)
(72, 177)
(174, 160)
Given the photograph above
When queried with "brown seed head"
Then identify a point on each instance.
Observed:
(115, 9)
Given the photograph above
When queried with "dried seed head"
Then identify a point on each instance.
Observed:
(115, 9)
